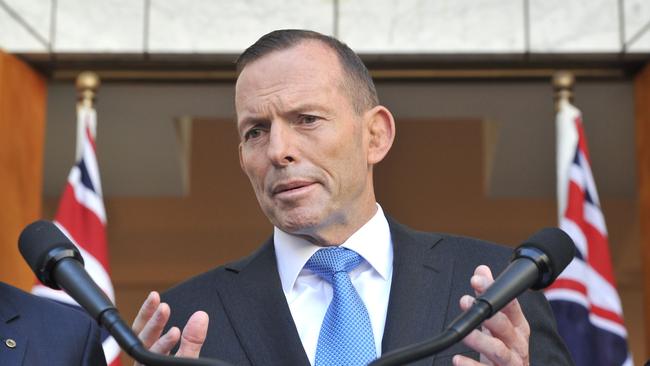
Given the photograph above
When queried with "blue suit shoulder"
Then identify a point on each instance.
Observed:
(194, 287)
(46, 332)
(463, 249)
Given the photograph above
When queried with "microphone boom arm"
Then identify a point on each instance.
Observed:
(486, 305)
(457, 330)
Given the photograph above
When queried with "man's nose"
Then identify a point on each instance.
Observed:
(280, 147)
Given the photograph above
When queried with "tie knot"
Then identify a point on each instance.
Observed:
(327, 262)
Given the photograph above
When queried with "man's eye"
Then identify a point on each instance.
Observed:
(252, 133)
(305, 118)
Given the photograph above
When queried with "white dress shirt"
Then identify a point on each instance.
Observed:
(309, 296)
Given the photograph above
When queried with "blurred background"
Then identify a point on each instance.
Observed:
(469, 83)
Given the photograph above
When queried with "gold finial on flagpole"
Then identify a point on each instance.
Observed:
(563, 82)
(87, 85)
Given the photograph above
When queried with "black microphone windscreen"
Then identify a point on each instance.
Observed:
(557, 245)
(38, 240)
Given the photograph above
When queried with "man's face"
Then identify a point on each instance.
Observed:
(303, 146)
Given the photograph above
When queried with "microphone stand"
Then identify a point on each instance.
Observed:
(73, 278)
(130, 343)
(457, 330)
(501, 292)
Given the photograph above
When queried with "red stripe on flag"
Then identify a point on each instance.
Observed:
(563, 283)
(598, 257)
(89, 136)
(83, 225)
(597, 245)
(575, 203)
(607, 314)
(566, 284)
(582, 139)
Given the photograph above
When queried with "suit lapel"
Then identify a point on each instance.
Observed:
(253, 298)
(416, 315)
(10, 356)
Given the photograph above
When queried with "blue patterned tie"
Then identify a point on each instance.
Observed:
(346, 334)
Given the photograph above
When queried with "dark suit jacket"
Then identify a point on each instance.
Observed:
(251, 324)
(45, 332)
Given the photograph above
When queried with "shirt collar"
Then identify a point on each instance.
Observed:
(372, 241)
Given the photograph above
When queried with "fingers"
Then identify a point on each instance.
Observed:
(504, 337)
(493, 348)
(499, 327)
(482, 279)
(165, 343)
(194, 335)
(146, 311)
(155, 325)
(151, 320)
(459, 360)
(149, 323)
(516, 316)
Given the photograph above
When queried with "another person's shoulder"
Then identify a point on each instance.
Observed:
(62, 334)
(38, 307)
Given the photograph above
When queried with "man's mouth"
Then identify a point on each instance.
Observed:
(290, 187)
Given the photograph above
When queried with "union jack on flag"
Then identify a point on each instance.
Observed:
(584, 297)
(81, 216)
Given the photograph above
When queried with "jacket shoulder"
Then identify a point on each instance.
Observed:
(463, 249)
(58, 334)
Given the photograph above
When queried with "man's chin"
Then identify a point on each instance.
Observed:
(296, 227)
(297, 223)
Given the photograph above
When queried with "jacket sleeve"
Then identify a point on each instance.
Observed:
(93, 352)
(545, 344)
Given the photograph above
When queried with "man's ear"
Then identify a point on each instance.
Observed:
(381, 133)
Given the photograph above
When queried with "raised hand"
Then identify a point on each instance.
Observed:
(503, 339)
(151, 320)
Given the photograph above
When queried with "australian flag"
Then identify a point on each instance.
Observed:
(82, 217)
(584, 297)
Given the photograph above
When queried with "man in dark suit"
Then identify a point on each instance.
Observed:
(36, 331)
(311, 130)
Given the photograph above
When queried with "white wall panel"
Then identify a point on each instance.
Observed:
(574, 26)
(99, 26)
(204, 26)
(35, 12)
(369, 26)
(641, 45)
(473, 26)
(15, 38)
(637, 18)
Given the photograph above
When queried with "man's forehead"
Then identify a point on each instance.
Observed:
(306, 55)
(307, 64)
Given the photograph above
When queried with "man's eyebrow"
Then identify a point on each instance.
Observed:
(251, 120)
(301, 108)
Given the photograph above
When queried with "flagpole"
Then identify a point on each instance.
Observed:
(91, 229)
(87, 84)
(566, 136)
(584, 297)
(563, 82)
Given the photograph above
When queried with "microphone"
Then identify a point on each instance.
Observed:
(535, 264)
(57, 263)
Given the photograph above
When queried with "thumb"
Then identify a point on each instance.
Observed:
(193, 335)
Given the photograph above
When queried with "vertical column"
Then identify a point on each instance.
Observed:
(22, 131)
(642, 120)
